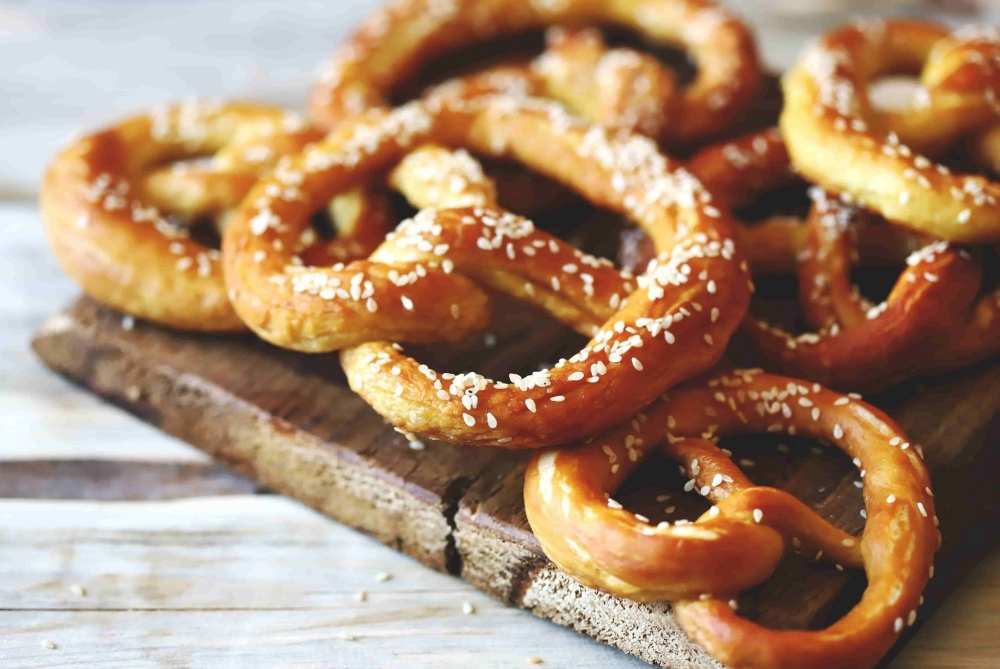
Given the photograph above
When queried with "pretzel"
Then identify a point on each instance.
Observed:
(396, 41)
(863, 346)
(124, 250)
(830, 300)
(829, 123)
(422, 284)
(702, 566)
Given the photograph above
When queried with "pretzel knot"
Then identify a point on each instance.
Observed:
(701, 566)
(424, 283)
(829, 122)
(396, 41)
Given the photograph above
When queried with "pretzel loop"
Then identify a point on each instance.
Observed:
(738, 542)
(398, 39)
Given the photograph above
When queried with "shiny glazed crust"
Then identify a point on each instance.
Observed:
(701, 566)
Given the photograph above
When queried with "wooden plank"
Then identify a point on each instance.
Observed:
(42, 416)
(290, 422)
(118, 480)
(241, 581)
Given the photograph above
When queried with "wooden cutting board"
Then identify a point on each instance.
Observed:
(289, 421)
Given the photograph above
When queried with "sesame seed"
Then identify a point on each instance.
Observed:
(758, 515)
(469, 420)
(383, 576)
(407, 302)
(530, 404)
(897, 625)
(637, 364)
(468, 609)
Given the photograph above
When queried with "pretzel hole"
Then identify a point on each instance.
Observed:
(674, 58)
(468, 59)
(897, 92)
(520, 49)
(205, 230)
(789, 200)
(519, 339)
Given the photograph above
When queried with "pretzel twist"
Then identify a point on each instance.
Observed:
(738, 542)
(829, 122)
(99, 203)
(400, 38)
(421, 285)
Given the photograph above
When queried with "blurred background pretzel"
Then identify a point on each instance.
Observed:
(829, 122)
(396, 41)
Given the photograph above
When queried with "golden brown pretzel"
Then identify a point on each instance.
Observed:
(421, 285)
(829, 122)
(874, 346)
(830, 299)
(393, 43)
(738, 542)
(110, 236)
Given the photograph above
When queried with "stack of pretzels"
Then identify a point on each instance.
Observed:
(227, 216)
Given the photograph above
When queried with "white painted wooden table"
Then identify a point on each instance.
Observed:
(239, 580)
